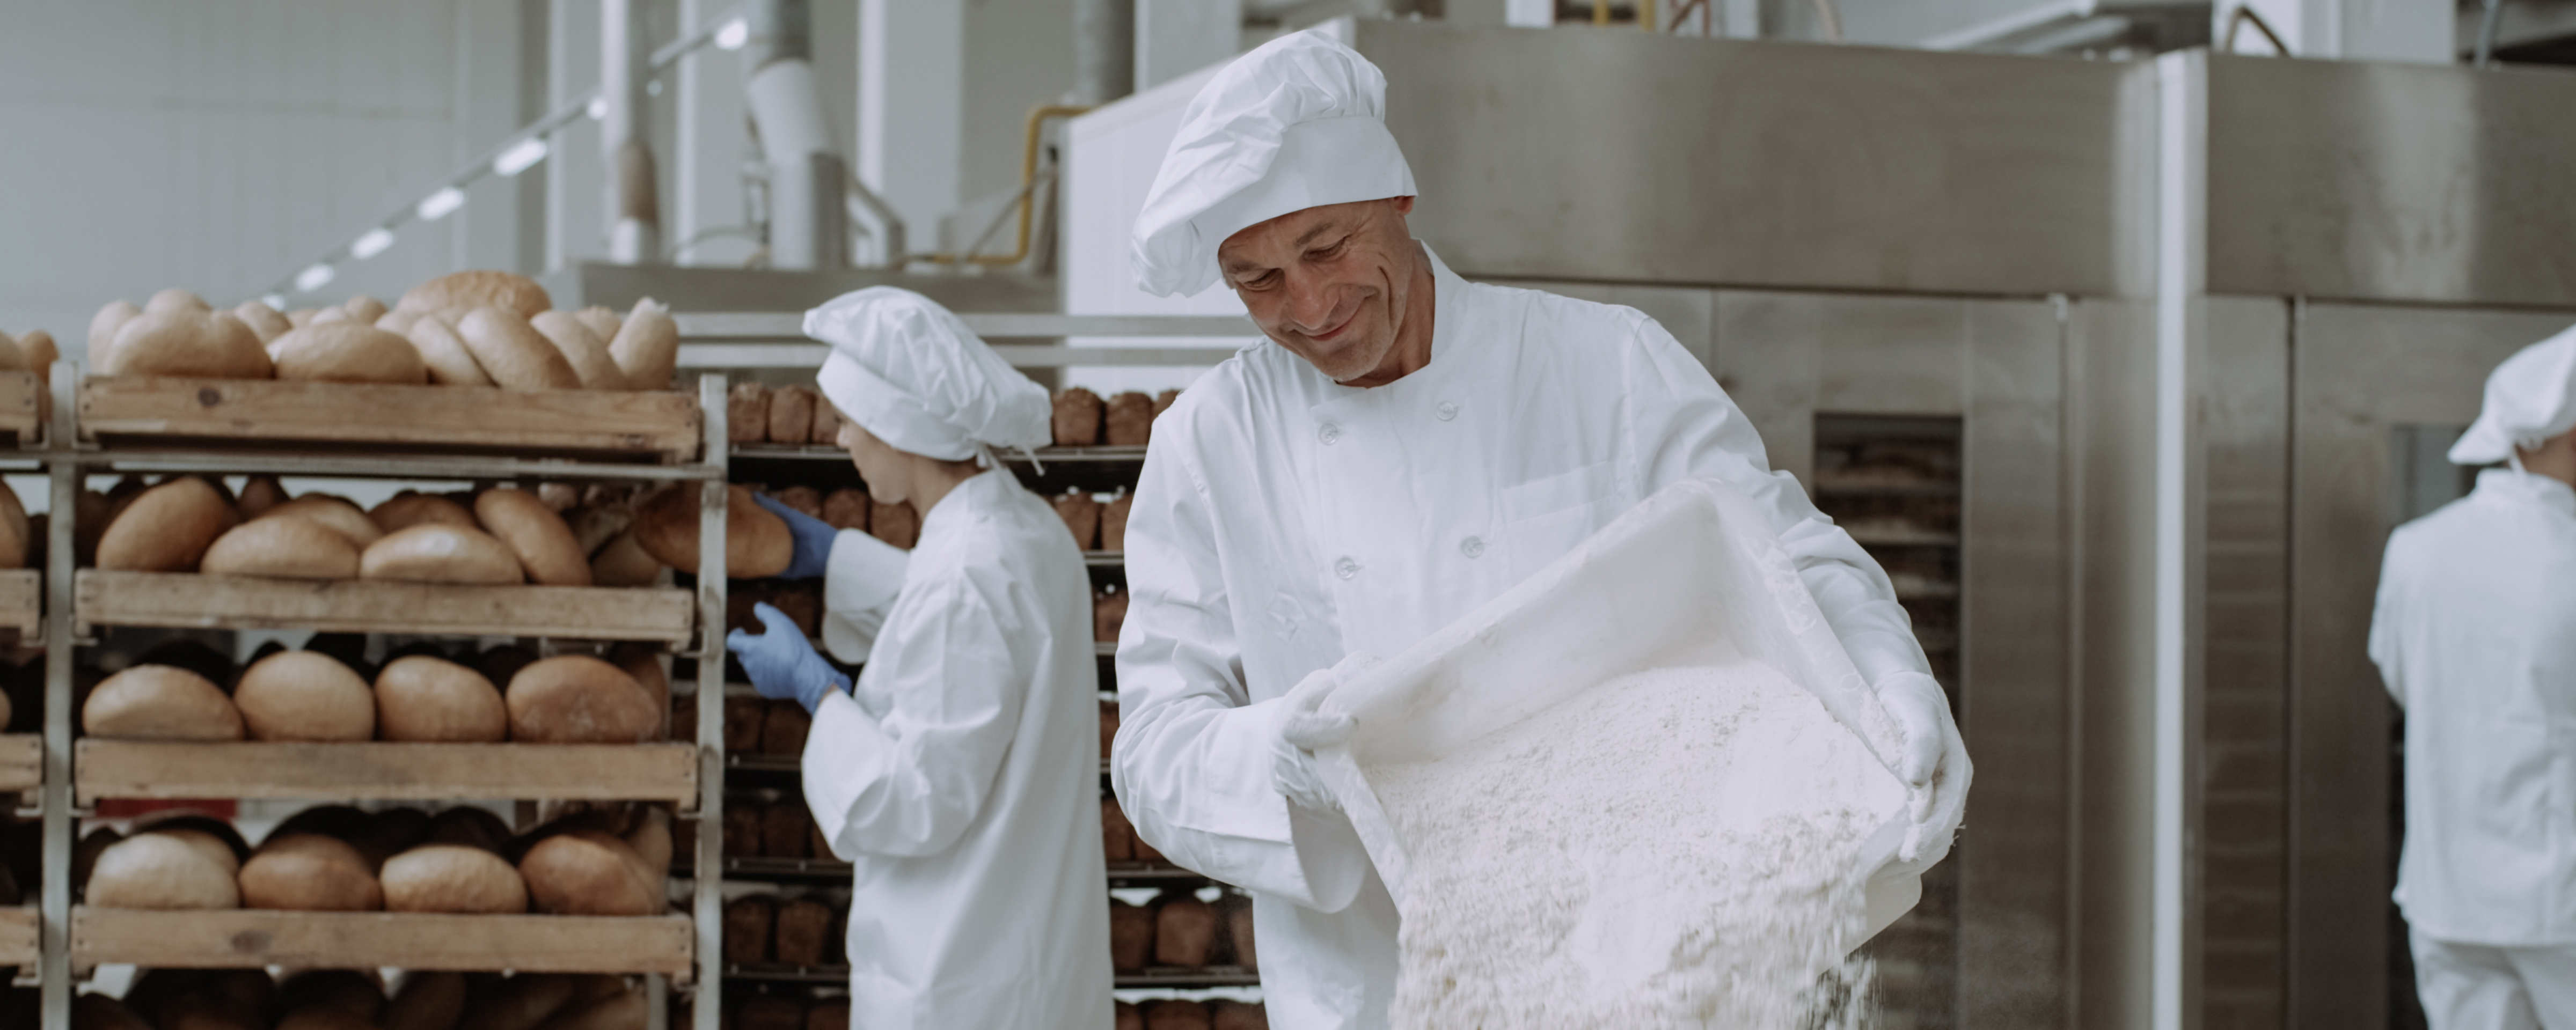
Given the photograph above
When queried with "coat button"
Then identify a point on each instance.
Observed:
(1446, 411)
(1330, 434)
(1473, 547)
(1346, 568)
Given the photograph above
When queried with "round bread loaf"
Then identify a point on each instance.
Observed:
(478, 288)
(602, 322)
(427, 1000)
(301, 317)
(408, 509)
(265, 322)
(166, 528)
(348, 352)
(513, 353)
(1129, 1017)
(453, 878)
(791, 414)
(757, 544)
(750, 927)
(1077, 418)
(587, 873)
(624, 563)
(397, 322)
(450, 361)
(545, 545)
(41, 352)
(176, 299)
(258, 495)
(103, 327)
(160, 702)
(434, 553)
(1131, 936)
(328, 316)
(747, 413)
(1129, 420)
(1185, 931)
(427, 699)
(578, 699)
(364, 308)
(215, 849)
(187, 344)
(308, 872)
(301, 695)
(581, 348)
(339, 515)
(645, 665)
(160, 871)
(647, 346)
(469, 826)
(286, 548)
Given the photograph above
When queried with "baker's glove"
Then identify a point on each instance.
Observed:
(782, 664)
(1301, 725)
(813, 539)
(1933, 760)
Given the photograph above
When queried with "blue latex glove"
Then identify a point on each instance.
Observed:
(813, 538)
(782, 664)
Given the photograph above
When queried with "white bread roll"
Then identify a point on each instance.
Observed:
(578, 699)
(647, 346)
(603, 322)
(166, 528)
(544, 543)
(176, 299)
(450, 361)
(588, 873)
(160, 702)
(433, 553)
(581, 348)
(186, 344)
(421, 698)
(339, 514)
(478, 288)
(364, 308)
(103, 328)
(265, 322)
(348, 352)
(160, 871)
(453, 878)
(513, 353)
(305, 695)
(308, 872)
(757, 544)
(283, 548)
(409, 508)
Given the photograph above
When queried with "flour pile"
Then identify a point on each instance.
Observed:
(1671, 849)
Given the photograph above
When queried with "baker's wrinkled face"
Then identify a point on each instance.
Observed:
(879, 463)
(1329, 283)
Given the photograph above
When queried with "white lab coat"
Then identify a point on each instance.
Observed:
(963, 781)
(1283, 521)
(2475, 635)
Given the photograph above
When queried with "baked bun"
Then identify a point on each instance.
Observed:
(284, 548)
(304, 695)
(434, 553)
(340, 516)
(364, 308)
(513, 353)
(348, 352)
(265, 322)
(588, 873)
(420, 698)
(188, 345)
(450, 361)
(581, 348)
(544, 544)
(309, 872)
(757, 544)
(176, 299)
(258, 495)
(578, 699)
(647, 347)
(477, 289)
(453, 878)
(602, 322)
(103, 326)
(408, 509)
(160, 871)
(160, 702)
(167, 528)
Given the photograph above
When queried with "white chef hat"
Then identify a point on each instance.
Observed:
(2530, 398)
(1298, 123)
(910, 372)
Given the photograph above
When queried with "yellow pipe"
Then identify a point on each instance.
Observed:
(1646, 15)
(1601, 12)
(1028, 197)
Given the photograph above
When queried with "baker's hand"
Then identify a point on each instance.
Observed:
(1303, 726)
(781, 663)
(813, 538)
(1934, 760)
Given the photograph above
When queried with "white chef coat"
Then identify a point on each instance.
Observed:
(963, 781)
(1284, 521)
(2475, 635)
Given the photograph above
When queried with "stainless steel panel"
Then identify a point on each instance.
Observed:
(2403, 182)
(1631, 157)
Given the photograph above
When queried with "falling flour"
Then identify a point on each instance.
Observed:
(1675, 848)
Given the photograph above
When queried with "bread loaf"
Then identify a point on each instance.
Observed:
(1108, 614)
(743, 718)
(645, 664)
(522, 1002)
(846, 509)
(1163, 401)
(782, 729)
(1081, 515)
(340, 515)
(514, 354)
(453, 878)
(1185, 930)
(1170, 1014)
(829, 1014)
(1077, 418)
(477, 289)
(410, 508)
(468, 826)
(803, 500)
(398, 323)
(826, 430)
(103, 328)
(167, 528)
(581, 348)
(742, 837)
(747, 413)
(766, 1012)
(160, 871)
(41, 352)
(578, 699)
(624, 563)
(791, 414)
(434, 553)
(625, 1010)
(1117, 836)
(602, 322)
(17, 532)
(326, 316)
(187, 344)
(159, 702)
(264, 322)
(1113, 522)
(651, 839)
(301, 317)
(784, 829)
(1227, 1014)
(427, 1000)
(585, 873)
(750, 929)
(391, 832)
(443, 351)
(1238, 929)
(647, 346)
(1131, 936)
(364, 308)
(348, 352)
(308, 872)
(300, 695)
(432, 700)
(757, 544)
(176, 299)
(547, 552)
(1130, 1017)
(1130, 419)
(347, 992)
(896, 524)
(285, 548)
(258, 495)
(98, 1012)
(803, 926)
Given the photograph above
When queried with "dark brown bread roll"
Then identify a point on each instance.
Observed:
(896, 524)
(1130, 419)
(1117, 838)
(827, 425)
(786, 829)
(743, 717)
(742, 830)
(803, 926)
(1081, 515)
(747, 413)
(802, 603)
(1108, 615)
(750, 922)
(1130, 1017)
(846, 509)
(803, 499)
(782, 729)
(1131, 936)
(1176, 1015)
(1237, 911)
(770, 1013)
(1238, 1015)
(829, 1015)
(1185, 930)
(1077, 418)
(1163, 401)
(791, 414)
(1113, 522)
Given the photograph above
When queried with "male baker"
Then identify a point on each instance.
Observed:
(1406, 446)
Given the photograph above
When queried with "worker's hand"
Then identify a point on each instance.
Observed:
(1933, 761)
(1303, 726)
(813, 537)
(781, 663)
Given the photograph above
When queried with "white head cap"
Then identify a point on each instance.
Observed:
(911, 373)
(2530, 398)
(1298, 123)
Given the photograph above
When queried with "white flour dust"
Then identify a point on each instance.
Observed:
(1667, 850)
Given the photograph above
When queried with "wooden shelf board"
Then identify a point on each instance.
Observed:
(111, 598)
(273, 413)
(386, 771)
(253, 938)
(19, 930)
(22, 405)
(22, 764)
(22, 594)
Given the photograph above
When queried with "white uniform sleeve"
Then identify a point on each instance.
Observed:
(1191, 765)
(909, 783)
(2385, 616)
(1687, 428)
(861, 580)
